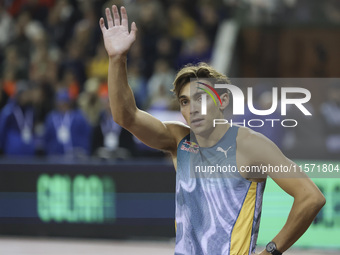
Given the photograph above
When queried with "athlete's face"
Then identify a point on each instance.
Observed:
(190, 100)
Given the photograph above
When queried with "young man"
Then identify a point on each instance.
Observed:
(213, 215)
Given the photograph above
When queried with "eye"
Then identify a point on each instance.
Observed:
(184, 102)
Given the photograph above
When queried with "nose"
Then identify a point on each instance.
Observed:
(195, 107)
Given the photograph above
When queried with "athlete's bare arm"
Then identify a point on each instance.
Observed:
(256, 149)
(151, 131)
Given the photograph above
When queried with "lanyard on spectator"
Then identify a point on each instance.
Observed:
(110, 131)
(25, 123)
(63, 128)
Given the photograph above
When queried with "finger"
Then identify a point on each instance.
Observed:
(125, 21)
(133, 30)
(109, 18)
(116, 16)
(102, 24)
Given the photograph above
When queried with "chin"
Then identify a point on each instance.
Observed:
(200, 131)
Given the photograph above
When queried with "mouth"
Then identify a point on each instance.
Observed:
(197, 121)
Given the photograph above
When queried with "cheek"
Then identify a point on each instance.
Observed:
(186, 113)
(214, 112)
(211, 107)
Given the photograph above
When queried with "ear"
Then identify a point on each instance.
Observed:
(225, 101)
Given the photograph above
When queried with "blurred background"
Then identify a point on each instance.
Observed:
(68, 171)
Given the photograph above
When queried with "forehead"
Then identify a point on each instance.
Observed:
(193, 87)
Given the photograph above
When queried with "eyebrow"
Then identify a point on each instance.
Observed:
(197, 94)
(194, 95)
(182, 96)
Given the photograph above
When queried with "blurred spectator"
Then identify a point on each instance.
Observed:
(6, 27)
(160, 85)
(106, 142)
(9, 82)
(17, 123)
(60, 22)
(166, 49)
(37, 8)
(138, 84)
(21, 42)
(135, 57)
(15, 65)
(331, 114)
(56, 45)
(86, 31)
(42, 95)
(70, 83)
(44, 59)
(209, 19)
(99, 64)
(181, 25)
(151, 24)
(197, 49)
(67, 131)
(73, 63)
(89, 101)
(3, 96)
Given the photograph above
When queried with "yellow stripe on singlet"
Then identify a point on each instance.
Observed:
(241, 233)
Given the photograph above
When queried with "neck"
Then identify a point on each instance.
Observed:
(212, 138)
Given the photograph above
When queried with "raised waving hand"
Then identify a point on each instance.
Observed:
(117, 38)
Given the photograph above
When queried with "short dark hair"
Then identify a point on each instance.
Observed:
(200, 70)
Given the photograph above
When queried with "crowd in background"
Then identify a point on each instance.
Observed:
(54, 97)
(53, 70)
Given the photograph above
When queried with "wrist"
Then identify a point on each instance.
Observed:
(118, 58)
(271, 248)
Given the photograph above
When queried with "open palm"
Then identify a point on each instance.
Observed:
(117, 38)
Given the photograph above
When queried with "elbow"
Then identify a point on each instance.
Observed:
(124, 116)
(123, 110)
(321, 201)
(124, 122)
(316, 201)
(119, 121)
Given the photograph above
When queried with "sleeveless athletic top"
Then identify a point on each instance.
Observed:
(220, 214)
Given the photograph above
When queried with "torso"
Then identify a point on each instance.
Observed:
(241, 158)
(212, 213)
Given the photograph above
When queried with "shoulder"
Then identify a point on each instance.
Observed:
(77, 112)
(255, 145)
(7, 110)
(51, 114)
(249, 137)
(177, 129)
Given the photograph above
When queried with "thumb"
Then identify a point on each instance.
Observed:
(102, 24)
